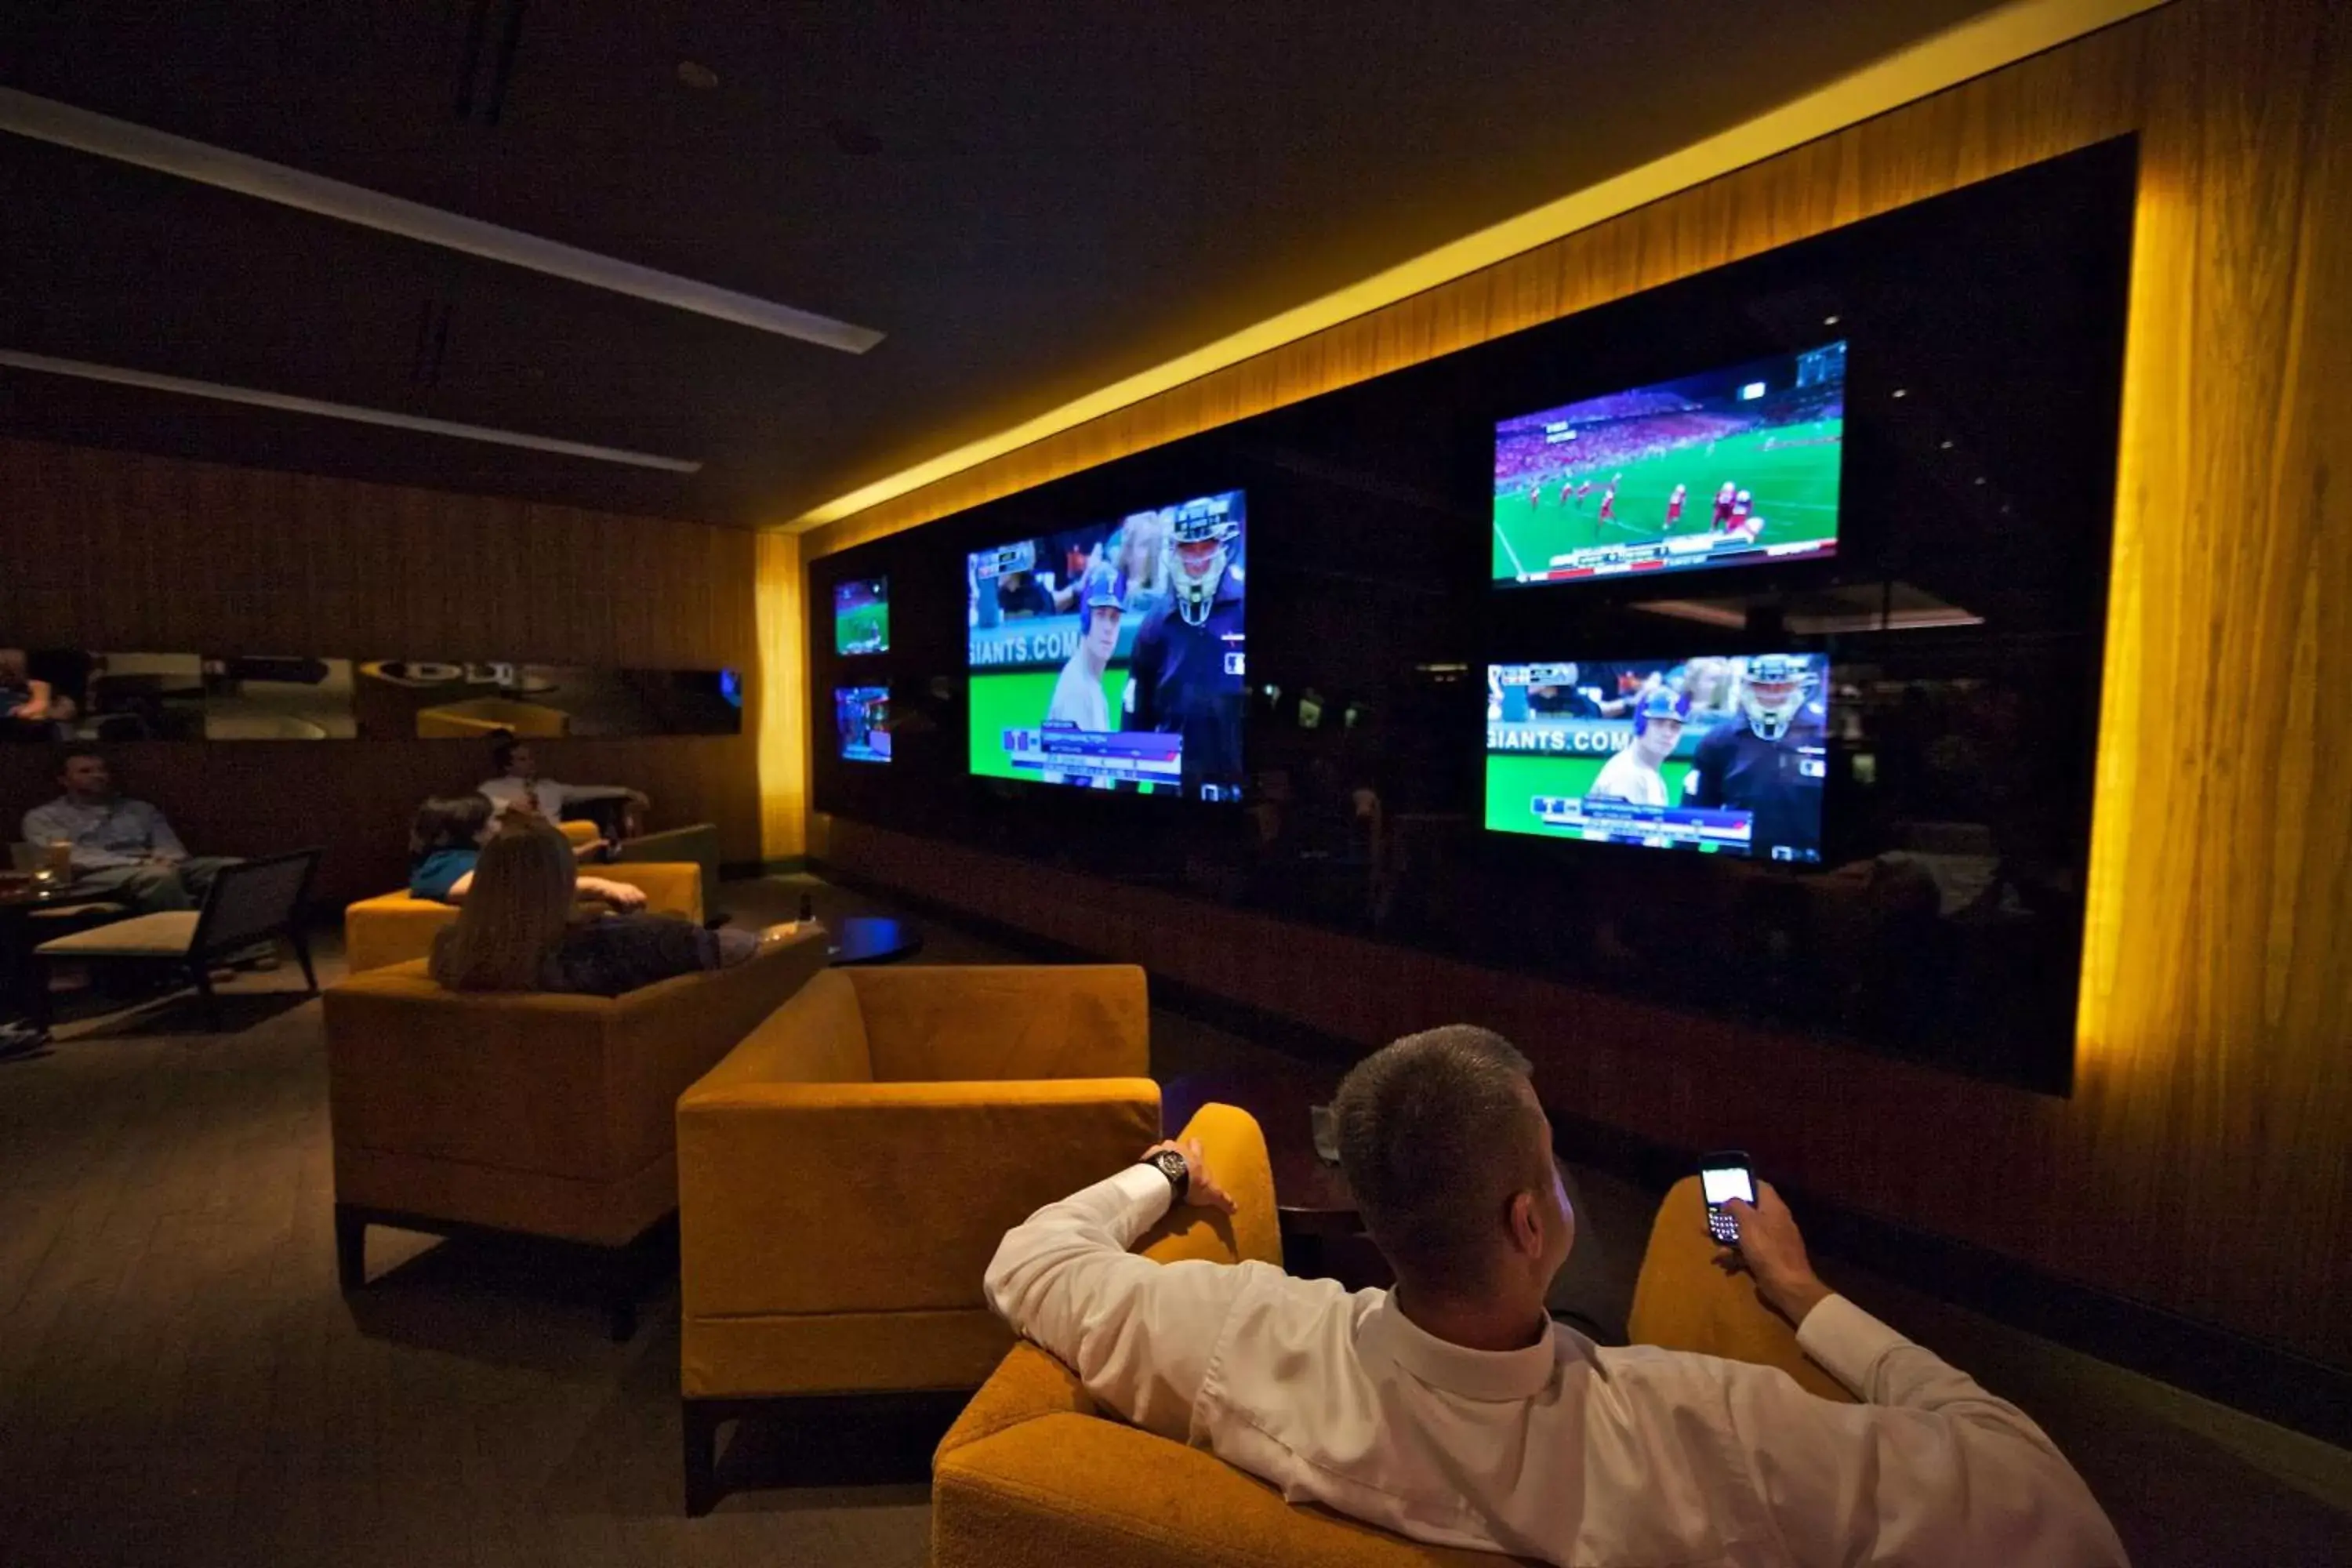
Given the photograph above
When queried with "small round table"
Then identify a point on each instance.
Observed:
(873, 938)
(23, 1009)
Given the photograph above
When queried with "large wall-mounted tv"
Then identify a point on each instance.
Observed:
(1726, 467)
(862, 715)
(1725, 756)
(861, 615)
(1111, 656)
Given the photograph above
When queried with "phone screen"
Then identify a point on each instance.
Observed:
(1723, 1185)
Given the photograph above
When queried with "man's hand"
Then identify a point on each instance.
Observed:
(1201, 1188)
(1770, 1249)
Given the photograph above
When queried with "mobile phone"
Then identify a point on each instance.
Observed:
(1724, 1176)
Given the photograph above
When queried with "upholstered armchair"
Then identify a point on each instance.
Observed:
(846, 1172)
(545, 1114)
(1033, 1475)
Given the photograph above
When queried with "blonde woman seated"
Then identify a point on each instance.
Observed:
(447, 840)
(522, 928)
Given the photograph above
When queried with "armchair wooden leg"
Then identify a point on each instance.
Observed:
(201, 971)
(701, 1423)
(351, 1250)
(301, 945)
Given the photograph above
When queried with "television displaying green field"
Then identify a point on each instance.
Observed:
(861, 616)
(1111, 656)
(1729, 467)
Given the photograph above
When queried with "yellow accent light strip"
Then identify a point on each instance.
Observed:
(1997, 38)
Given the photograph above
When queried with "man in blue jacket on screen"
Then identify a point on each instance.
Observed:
(1186, 673)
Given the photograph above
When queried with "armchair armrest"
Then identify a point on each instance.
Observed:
(671, 887)
(1234, 1146)
(894, 1197)
(1005, 1021)
(664, 1037)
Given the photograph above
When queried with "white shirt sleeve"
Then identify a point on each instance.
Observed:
(1932, 1468)
(1139, 1334)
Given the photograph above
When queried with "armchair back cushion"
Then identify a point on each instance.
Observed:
(925, 1023)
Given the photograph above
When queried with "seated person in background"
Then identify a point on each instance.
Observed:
(519, 928)
(447, 840)
(517, 784)
(1454, 1410)
(122, 849)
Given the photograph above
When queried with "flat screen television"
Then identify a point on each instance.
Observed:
(1724, 756)
(1111, 656)
(1725, 467)
(861, 616)
(862, 714)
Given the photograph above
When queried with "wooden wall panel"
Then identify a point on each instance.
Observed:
(116, 550)
(2204, 1162)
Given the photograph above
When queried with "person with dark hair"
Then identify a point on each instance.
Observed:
(445, 844)
(524, 929)
(517, 784)
(1454, 1410)
(122, 849)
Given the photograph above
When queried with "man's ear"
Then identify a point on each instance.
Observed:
(1526, 1222)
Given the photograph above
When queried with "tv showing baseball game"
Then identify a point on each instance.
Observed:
(1726, 467)
(861, 615)
(862, 714)
(1111, 656)
(1721, 755)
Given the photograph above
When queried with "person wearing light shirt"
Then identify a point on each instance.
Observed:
(519, 785)
(122, 849)
(1454, 1411)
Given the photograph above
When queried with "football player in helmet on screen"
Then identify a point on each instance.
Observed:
(1773, 760)
(1185, 672)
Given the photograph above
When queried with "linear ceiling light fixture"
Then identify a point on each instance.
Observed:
(1995, 39)
(13, 359)
(46, 120)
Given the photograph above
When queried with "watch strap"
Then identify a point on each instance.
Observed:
(1176, 1168)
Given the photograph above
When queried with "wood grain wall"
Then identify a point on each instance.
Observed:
(2204, 1162)
(115, 550)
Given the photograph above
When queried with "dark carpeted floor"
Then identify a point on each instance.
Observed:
(181, 1382)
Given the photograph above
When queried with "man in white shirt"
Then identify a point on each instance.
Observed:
(1632, 774)
(519, 785)
(1454, 1411)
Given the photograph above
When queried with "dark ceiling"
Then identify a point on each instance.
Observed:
(1031, 200)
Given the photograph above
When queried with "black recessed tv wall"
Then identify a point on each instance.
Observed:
(1945, 652)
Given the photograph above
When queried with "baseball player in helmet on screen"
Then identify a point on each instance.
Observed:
(1632, 774)
(1770, 762)
(1185, 673)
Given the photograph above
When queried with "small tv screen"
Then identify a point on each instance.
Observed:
(1727, 467)
(862, 713)
(861, 615)
(1111, 656)
(1721, 755)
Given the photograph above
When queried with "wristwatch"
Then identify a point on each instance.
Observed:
(1171, 1164)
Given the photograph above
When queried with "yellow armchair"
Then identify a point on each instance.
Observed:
(846, 1172)
(545, 1114)
(1033, 1475)
(394, 928)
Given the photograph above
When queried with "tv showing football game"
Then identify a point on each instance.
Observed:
(1724, 756)
(1111, 656)
(862, 714)
(861, 615)
(1727, 467)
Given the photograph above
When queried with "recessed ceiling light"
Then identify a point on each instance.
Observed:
(63, 125)
(1829, 320)
(1899, 391)
(696, 75)
(286, 404)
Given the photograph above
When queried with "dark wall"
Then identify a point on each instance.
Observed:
(112, 550)
(1945, 924)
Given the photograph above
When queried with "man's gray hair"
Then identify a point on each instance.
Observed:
(1434, 1137)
